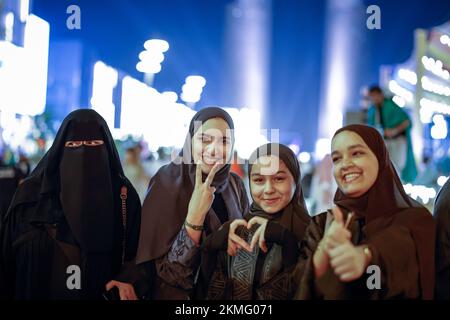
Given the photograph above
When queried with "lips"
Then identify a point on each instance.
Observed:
(271, 201)
(350, 177)
(210, 160)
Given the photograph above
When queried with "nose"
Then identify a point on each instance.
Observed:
(214, 148)
(346, 163)
(268, 187)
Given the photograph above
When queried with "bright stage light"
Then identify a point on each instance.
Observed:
(156, 45)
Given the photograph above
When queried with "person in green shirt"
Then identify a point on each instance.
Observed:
(395, 126)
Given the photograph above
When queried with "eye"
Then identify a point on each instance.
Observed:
(336, 159)
(279, 179)
(358, 153)
(93, 143)
(206, 139)
(258, 180)
(73, 144)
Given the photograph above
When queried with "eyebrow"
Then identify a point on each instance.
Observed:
(350, 148)
(258, 174)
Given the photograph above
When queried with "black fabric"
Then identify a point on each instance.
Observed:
(86, 192)
(220, 208)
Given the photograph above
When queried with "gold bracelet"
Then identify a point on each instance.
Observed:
(193, 226)
(368, 254)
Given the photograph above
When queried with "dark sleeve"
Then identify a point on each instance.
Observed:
(7, 270)
(242, 194)
(178, 267)
(442, 216)
(276, 233)
(304, 270)
(133, 225)
(217, 240)
(394, 252)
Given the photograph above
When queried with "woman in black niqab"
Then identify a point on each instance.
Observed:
(69, 212)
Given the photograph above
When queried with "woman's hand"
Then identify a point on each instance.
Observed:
(234, 241)
(202, 196)
(258, 236)
(201, 201)
(348, 261)
(335, 235)
(126, 290)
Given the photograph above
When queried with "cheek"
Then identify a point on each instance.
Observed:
(197, 150)
(256, 191)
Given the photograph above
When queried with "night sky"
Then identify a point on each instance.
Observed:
(195, 29)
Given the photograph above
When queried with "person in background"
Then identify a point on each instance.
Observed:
(395, 126)
(134, 169)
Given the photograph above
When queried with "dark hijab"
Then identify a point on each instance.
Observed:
(295, 216)
(386, 203)
(76, 176)
(166, 204)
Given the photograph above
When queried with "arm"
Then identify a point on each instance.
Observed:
(178, 266)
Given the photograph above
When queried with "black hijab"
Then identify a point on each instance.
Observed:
(86, 179)
(295, 216)
(170, 190)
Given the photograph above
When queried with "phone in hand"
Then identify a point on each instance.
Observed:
(112, 294)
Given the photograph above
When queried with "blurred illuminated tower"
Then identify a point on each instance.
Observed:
(342, 61)
(247, 44)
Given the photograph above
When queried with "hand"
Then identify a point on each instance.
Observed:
(126, 290)
(348, 261)
(335, 235)
(234, 241)
(258, 236)
(202, 196)
(389, 133)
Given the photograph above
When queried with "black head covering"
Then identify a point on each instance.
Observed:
(166, 204)
(295, 216)
(387, 188)
(85, 179)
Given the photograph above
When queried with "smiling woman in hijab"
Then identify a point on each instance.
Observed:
(187, 200)
(375, 223)
(74, 221)
(254, 257)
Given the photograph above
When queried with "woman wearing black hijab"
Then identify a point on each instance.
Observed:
(187, 200)
(375, 223)
(74, 221)
(268, 238)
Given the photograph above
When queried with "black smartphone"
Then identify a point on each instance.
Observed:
(112, 294)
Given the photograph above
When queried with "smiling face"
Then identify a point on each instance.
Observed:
(355, 166)
(271, 189)
(211, 144)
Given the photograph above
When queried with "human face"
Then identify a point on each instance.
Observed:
(271, 184)
(211, 144)
(377, 98)
(355, 166)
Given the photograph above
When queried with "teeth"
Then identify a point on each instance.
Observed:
(351, 176)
